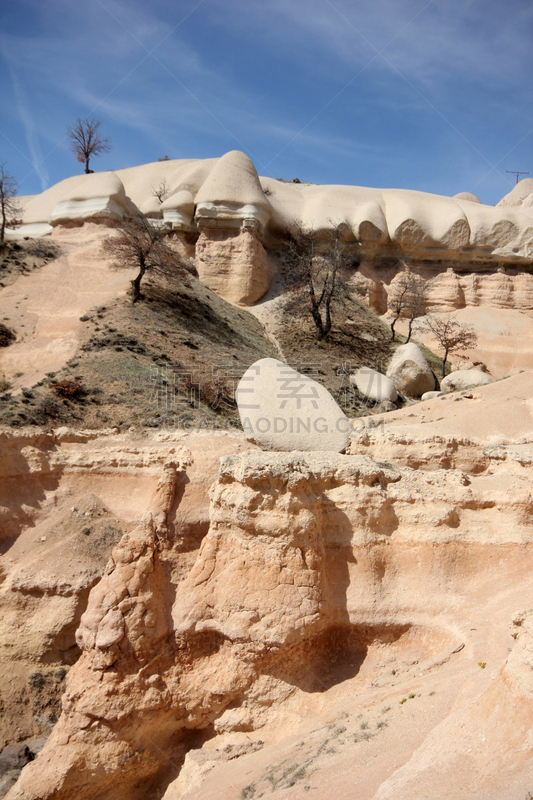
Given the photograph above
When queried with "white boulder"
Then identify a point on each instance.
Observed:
(464, 379)
(374, 385)
(280, 409)
(410, 371)
(431, 395)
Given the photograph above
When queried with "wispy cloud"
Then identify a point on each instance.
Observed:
(339, 89)
(28, 121)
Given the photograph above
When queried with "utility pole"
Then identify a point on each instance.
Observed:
(515, 172)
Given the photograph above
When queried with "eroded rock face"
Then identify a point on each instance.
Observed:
(296, 575)
(154, 664)
(234, 264)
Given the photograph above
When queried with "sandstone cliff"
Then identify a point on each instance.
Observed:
(326, 588)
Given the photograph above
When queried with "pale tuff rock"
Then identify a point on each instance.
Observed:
(262, 570)
(463, 379)
(413, 224)
(101, 195)
(232, 193)
(374, 385)
(520, 196)
(139, 681)
(410, 371)
(280, 409)
(447, 289)
(444, 292)
(488, 742)
(234, 264)
(430, 395)
(467, 196)
(304, 550)
(519, 665)
(370, 287)
(178, 210)
(227, 190)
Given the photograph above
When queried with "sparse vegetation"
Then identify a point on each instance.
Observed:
(141, 245)
(313, 267)
(450, 335)
(406, 299)
(86, 141)
(161, 192)
(10, 208)
(70, 390)
(7, 336)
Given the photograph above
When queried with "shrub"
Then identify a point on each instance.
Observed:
(6, 336)
(70, 390)
(48, 407)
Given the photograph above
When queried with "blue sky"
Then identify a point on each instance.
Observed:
(431, 95)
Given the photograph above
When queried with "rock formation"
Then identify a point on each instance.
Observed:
(280, 409)
(315, 566)
(234, 263)
(444, 238)
(464, 379)
(410, 372)
(231, 621)
(374, 385)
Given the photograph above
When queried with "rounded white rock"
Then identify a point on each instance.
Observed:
(281, 409)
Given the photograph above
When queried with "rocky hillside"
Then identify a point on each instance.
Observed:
(172, 360)
(186, 615)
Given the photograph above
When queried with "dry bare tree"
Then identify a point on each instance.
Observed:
(406, 298)
(312, 273)
(161, 191)
(10, 208)
(450, 335)
(86, 141)
(141, 245)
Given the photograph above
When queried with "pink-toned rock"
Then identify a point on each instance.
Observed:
(312, 562)
(234, 264)
(444, 293)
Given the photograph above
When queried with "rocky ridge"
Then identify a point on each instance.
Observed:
(321, 578)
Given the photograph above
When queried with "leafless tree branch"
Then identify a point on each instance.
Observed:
(85, 140)
(450, 335)
(141, 245)
(10, 208)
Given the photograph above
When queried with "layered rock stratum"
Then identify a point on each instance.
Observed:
(456, 243)
(313, 621)
(186, 615)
